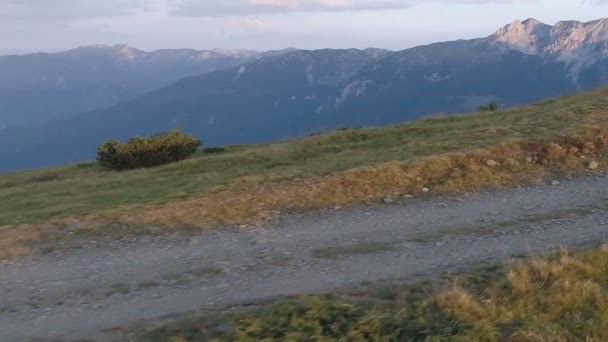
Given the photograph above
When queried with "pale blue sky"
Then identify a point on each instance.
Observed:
(51, 25)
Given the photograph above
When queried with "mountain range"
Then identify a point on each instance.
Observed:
(41, 87)
(286, 95)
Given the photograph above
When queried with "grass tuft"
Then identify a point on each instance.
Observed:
(335, 252)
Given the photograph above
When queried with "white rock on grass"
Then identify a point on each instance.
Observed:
(491, 163)
(593, 165)
(388, 200)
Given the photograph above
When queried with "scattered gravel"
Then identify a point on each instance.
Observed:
(78, 293)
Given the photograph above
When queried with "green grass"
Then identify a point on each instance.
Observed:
(73, 191)
(118, 288)
(7, 309)
(147, 284)
(335, 252)
(185, 279)
(206, 272)
(562, 297)
(510, 225)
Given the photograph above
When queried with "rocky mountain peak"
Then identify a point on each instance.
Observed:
(118, 51)
(128, 52)
(575, 43)
(236, 53)
(526, 36)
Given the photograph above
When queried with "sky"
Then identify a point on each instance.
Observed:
(57, 25)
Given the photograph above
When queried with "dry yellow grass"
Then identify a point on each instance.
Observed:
(253, 202)
(497, 166)
(560, 299)
(563, 297)
(15, 241)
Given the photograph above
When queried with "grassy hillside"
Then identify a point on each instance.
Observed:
(56, 208)
(560, 298)
(80, 190)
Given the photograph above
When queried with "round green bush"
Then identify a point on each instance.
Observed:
(139, 152)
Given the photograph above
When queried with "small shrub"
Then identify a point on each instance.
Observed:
(214, 150)
(160, 149)
(343, 129)
(490, 107)
(313, 134)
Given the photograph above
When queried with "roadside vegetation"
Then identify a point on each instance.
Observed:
(563, 297)
(248, 184)
(492, 106)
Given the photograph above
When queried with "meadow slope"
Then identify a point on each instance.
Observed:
(247, 185)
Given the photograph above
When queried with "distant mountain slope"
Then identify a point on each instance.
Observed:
(446, 77)
(277, 94)
(300, 92)
(41, 87)
(522, 62)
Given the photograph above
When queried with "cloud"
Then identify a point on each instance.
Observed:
(254, 7)
(67, 9)
(211, 8)
(79, 9)
(327, 4)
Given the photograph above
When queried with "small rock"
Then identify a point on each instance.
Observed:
(491, 163)
(555, 182)
(261, 241)
(337, 207)
(243, 226)
(425, 189)
(388, 200)
(40, 318)
(408, 196)
(604, 247)
(529, 159)
(439, 244)
(593, 165)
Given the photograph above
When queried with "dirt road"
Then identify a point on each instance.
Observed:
(77, 293)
